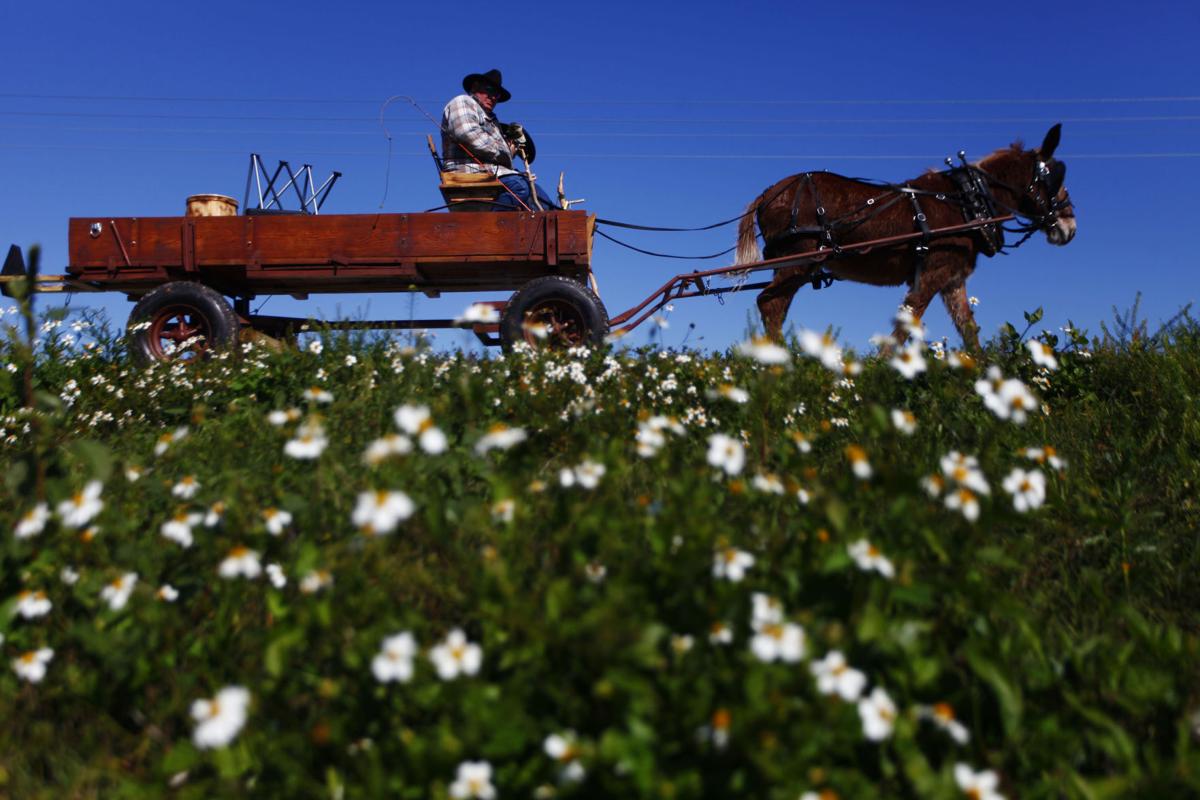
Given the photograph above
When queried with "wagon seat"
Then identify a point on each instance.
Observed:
(465, 191)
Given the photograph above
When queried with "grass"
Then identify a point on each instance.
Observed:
(1063, 638)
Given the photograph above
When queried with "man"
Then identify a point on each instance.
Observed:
(473, 140)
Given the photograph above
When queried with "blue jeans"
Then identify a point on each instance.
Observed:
(520, 187)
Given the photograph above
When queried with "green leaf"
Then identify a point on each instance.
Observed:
(97, 458)
(1007, 695)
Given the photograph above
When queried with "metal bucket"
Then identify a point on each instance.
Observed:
(211, 205)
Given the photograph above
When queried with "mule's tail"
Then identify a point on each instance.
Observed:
(747, 241)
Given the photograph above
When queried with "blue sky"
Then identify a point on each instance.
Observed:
(660, 114)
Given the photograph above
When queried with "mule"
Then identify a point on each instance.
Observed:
(804, 212)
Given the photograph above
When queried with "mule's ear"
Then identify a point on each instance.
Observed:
(1050, 142)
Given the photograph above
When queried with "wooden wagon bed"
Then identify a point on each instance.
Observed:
(298, 254)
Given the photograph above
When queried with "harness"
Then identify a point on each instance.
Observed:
(973, 197)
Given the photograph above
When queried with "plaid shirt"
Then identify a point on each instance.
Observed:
(465, 121)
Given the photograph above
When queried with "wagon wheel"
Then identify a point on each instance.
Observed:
(181, 320)
(553, 311)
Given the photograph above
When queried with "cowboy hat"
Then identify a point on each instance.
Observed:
(491, 78)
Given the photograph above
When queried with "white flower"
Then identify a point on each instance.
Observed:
(778, 642)
(389, 445)
(214, 514)
(878, 714)
(803, 444)
(309, 443)
(729, 392)
(563, 748)
(395, 659)
(822, 347)
(31, 666)
(1028, 489)
(908, 361)
(504, 510)
(499, 437)
(33, 604)
(179, 528)
(1045, 455)
(351, 360)
(412, 419)
(1042, 354)
(276, 576)
(973, 300)
(280, 418)
(859, 464)
(834, 676)
(942, 715)
(964, 470)
(910, 322)
(316, 580)
(868, 558)
(977, 785)
(276, 520)
(220, 719)
(68, 576)
(240, 561)
(768, 483)
(32, 522)
(378, 512)
(315, 347)
(1017, 398)
(766, 610)
(482, 313)
(167, 439)
(904, 421)
(315, 394)
(456, 656)
(474, 780)
(595, 571)
(726, 453)
(79, 509)
(133, 474)
(720, 633)
(731, 564)
(764, 351)
(589, 473)
(186, 488)
(117, 593)
(965, 500)
(167, 593)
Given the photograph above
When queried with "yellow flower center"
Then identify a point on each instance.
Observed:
(943, 711)
(28, 658)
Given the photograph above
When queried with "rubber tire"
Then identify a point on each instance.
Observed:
(218, 315)
(587, 305)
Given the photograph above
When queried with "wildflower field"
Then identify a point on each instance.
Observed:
(365, 569)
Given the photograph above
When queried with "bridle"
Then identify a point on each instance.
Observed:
(1043, 188)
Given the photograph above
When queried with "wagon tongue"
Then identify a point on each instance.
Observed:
(14, 267)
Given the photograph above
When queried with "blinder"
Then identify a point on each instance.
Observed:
(1055, 177)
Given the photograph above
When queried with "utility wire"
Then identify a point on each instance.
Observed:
(629, 120)
(612, 156)
(1134, 99)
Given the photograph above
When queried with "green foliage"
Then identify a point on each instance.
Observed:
(1064, 637)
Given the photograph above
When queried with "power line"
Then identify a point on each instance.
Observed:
(617, 156)
(1135, 99)
(685, 134)
(630, 120)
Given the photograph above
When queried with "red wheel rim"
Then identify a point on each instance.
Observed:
(561, 321)
(179, 331)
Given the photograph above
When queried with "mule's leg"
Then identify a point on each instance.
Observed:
(918, 300)
(775, 300)
(959, 308)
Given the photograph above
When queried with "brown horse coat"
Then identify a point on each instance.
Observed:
(1013, 180)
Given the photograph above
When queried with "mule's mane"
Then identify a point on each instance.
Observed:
(1016, 148)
